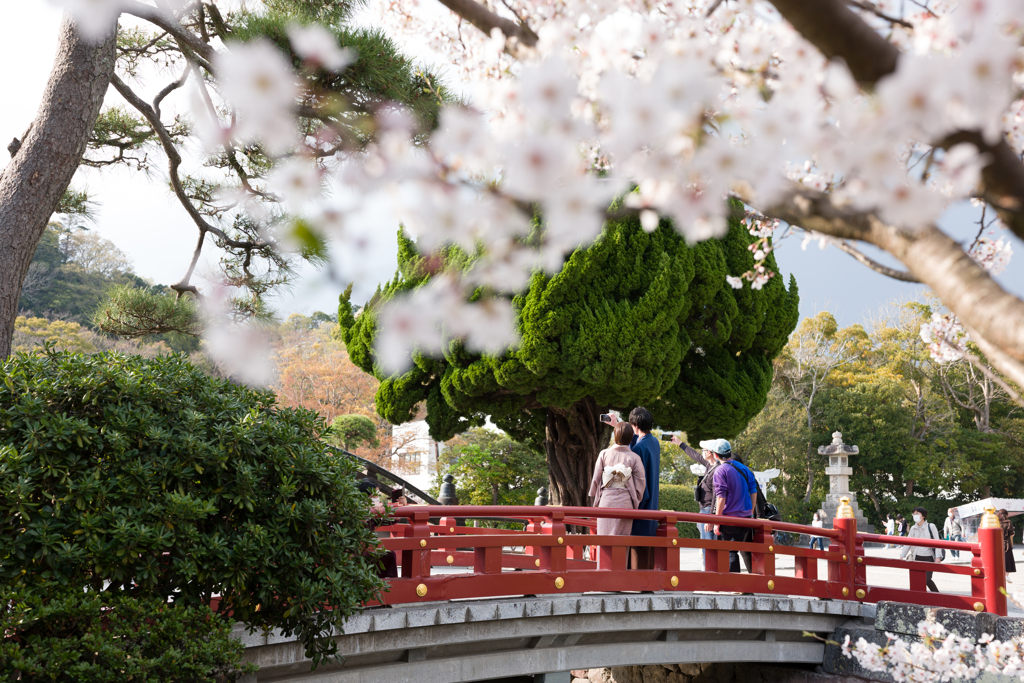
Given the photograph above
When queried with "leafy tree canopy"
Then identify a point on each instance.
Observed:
(492, 469)
(636, 318)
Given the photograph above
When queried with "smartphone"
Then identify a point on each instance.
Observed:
(396, 494)
(605, 417)
(666, 436)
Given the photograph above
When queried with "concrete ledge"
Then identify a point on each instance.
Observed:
(449, 642)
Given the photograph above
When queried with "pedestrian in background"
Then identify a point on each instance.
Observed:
(953, 530)
(890, 527)
(922, 528)
(1004, 521)
(817, 540)
(704, 494)
(901, 525)
(732, 499)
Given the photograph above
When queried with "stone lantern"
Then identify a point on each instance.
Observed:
(839, 472)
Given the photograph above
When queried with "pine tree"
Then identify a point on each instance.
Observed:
(636, 318)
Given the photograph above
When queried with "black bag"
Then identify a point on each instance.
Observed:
(698, 492)
(771, 512)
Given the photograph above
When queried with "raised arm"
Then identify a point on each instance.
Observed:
(694, 455)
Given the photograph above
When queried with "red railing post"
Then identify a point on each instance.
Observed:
(666, 558)
(840, 570)
(449, 525)
(764, 563)
(993, 560)
(535, 526)
(416, 563)
(552, 557)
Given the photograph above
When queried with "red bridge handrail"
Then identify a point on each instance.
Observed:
(552, 560)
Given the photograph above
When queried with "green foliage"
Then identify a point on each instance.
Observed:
(492, 469)
(352, 431)
(680, 499)
(636, 318)
(133, 312)
(71, 273)
(104, 638)
(148, 477)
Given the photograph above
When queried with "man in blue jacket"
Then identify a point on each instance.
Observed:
(647, 447)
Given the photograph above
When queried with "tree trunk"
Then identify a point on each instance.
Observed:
(32, 183)
(871, 494)
(573, 439)
(909, 491)
(810, 472)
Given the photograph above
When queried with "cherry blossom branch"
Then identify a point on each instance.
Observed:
(874, 265)
(935, 260)
(839, 32)
(520, 40)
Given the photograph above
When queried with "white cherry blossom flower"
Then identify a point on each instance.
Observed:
(296, 179)
(317, 45)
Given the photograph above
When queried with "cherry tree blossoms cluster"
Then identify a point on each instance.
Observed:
(938, 656)
(657, 103)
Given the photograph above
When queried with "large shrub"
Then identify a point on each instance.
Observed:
(679, 499)
(149, 478)
(100, 638)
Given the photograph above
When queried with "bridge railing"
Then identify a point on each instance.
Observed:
(548, 559)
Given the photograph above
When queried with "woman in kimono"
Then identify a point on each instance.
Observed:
(619, 481)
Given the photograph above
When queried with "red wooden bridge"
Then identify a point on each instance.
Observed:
(552, 560)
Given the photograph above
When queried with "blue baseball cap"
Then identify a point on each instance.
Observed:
(720, 446)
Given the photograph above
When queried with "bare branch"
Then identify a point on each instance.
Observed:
(520, 40)
(874, 265)
(869, 7)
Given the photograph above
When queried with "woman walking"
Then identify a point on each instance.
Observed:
(817, 540)
(1004, 521)
(619, 482)
(921, 528)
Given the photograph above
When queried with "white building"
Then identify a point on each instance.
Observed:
(417, 452)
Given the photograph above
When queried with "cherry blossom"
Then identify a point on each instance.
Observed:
(319, 47)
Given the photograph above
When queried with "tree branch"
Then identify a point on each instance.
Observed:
(869, 7)
(934, 259)
(169, 23)
(520, 40)
(840, 33)
(173, 164)
(874, 265)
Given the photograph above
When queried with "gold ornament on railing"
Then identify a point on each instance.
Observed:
(845, 510)
(989, 520)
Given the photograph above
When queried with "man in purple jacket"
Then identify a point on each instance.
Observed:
(732, 499)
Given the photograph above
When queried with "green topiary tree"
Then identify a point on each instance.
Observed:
(148, 478)
(635, 318)
(352, 431)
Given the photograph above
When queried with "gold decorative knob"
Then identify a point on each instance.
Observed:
(423, 543)
(979, 607)
(845, 510)
(771, 549)
(450, 559)
(844, 558)
(536, 563)
(846, 591)
(977, 572)
(421, 589)
(860, 593)
(771, 585)
(451, 529)
(675, 542)
(559, 582)
(674, 581)
(561, 540)
(989, 520)
(860, 560)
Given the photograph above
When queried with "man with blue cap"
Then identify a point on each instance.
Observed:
(732, 496)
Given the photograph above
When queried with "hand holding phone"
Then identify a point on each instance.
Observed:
(605, 417)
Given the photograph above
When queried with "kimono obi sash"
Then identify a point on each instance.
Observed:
(615, 476)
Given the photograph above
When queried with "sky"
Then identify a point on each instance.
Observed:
(139, 214)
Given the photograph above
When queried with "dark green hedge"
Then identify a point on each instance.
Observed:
(151, 479)
(680, 499)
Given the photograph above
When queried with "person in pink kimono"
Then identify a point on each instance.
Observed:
(619, 481)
